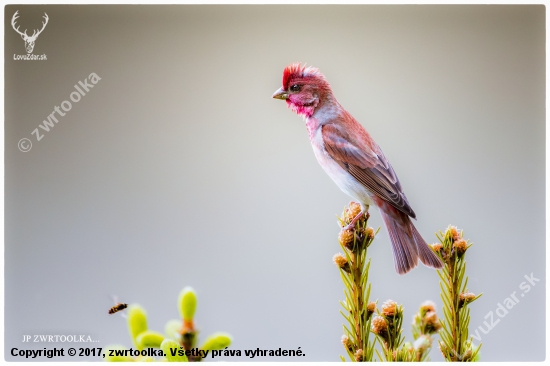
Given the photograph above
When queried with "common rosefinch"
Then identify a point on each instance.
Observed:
(354, 161)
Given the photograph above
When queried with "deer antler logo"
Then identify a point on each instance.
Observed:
(29, 41)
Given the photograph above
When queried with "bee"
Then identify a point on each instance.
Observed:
(118, 307)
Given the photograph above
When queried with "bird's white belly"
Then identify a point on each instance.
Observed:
(344, 180)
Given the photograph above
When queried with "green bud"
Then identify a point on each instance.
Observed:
(476, 351)
(216, 341)
(149, 339)
(137, 321)
(169, 346)
(109, 358)
(187, 303)
(172, 329)
(477, 357)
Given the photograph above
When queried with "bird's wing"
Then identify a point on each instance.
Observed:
(370, 168)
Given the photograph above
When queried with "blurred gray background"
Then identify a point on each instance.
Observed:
(179, 169)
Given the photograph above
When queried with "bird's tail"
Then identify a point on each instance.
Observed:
(425, 253)
(407, 243)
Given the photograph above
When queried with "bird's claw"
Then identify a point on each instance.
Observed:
(351, 226)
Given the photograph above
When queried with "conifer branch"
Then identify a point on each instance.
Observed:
(455, 344)
(354, 271)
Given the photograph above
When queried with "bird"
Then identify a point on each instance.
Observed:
(355, 162)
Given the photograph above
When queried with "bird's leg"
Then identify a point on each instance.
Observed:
(351, 225)
(365, 212)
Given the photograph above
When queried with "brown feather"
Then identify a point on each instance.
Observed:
(370, 168)
(407, 244)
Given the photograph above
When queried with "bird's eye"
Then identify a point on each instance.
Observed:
(295, 88)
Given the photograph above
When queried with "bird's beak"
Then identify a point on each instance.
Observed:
(280, 94)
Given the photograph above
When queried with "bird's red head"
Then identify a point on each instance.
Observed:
(303, 88)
